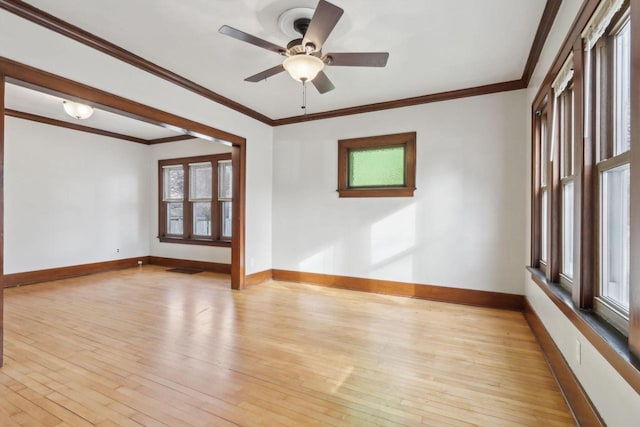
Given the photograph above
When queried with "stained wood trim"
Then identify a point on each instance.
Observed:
(259, 277)
(546, 22)
(579, 403)
(239, 171)
(169, 139)
(73, 126)
(609, 342)
(39, 276)
(214, 267)
(406, 102)
(52, 23)
(2, 282)
(430, 292)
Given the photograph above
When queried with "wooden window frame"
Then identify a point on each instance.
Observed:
(620, 351)
(567, 148)
(406, 140)
(541, 117)
(187, 237)
(603, 113)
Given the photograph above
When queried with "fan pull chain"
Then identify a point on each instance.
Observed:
(304, 96)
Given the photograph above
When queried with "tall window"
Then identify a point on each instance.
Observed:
(565, 115)
(196, 200)
(544, 190)
(613, 117)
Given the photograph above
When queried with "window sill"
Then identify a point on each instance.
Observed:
(377, 192)
(179, 240)
(609, 342)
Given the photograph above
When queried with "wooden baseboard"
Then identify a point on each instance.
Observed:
(194, 265)
(258, 278)
(430, 292)
(583, 410)
(39, 276)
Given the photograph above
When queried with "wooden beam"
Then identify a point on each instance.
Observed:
(73, 126)
(169, 139)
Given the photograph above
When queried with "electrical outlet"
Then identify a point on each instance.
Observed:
(117, 250)
(578, 352)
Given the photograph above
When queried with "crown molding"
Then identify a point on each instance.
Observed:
(39, 17)
(406, 102)
(544, 27)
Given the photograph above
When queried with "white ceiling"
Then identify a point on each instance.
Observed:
(41, 104)
(434, 45)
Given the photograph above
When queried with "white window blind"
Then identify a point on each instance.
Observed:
(599, 22)
(564, 77)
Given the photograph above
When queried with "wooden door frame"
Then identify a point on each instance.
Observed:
(30, 77)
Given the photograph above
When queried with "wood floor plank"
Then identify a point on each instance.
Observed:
(146, 347)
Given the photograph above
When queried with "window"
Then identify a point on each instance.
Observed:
(378, 166)
(544, 190)
(582, 191)
(613, 118)
(196, 200)
(564, 111)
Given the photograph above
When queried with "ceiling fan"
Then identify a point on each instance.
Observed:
(304, 58)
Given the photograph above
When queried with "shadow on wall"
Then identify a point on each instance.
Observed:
(391, 242)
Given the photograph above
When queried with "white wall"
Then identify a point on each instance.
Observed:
(461, 229)
(172, 150)
(72, 197)
(36, 46)
(617, 402)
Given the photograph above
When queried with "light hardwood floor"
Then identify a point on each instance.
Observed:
(147, 347)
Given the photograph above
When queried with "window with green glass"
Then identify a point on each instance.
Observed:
(378, 166)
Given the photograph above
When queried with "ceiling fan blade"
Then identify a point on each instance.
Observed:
(322, 23)
(322, 83)
(248, 38)
(264, 74)
(355, 59)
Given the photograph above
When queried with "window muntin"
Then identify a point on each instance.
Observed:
(198, 217)
(379, 166)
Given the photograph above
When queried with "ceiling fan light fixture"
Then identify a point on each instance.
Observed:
(303, 68)
(77, 110)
